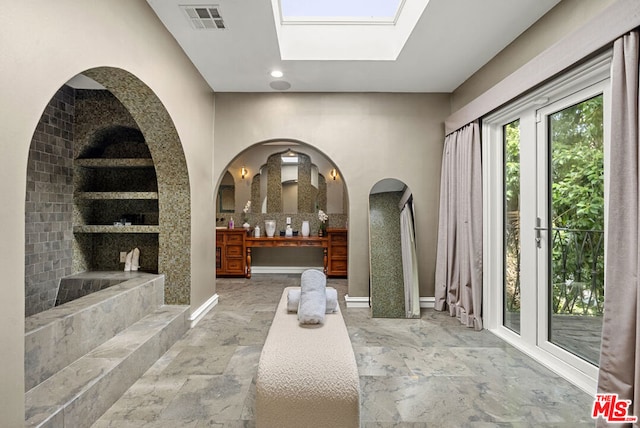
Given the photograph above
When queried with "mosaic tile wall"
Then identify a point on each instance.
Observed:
(255, 194)
(387, 287)
(307, 194)
(335, 220)
(106, 130)
(309, 197)
(174, 200)
(49, 203)
(322, 193)
(274, 184)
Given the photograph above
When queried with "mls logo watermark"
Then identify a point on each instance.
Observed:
(612, 409)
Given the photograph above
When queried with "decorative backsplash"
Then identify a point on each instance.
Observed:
(335, 220)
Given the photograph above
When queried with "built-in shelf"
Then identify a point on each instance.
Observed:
(135, 228)
(114, 180)
(115, 163)
(117, 195)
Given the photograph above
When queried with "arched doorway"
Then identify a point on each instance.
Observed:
(263, 182)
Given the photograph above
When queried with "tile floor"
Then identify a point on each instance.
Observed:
(428, 372)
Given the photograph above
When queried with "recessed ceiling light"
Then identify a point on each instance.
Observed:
(277, 73)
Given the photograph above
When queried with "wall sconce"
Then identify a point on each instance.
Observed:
(333, 173)
(243, 172)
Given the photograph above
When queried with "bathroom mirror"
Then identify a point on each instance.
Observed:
(226, 200)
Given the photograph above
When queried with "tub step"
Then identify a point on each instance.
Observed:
(57, 337)
(80, 393)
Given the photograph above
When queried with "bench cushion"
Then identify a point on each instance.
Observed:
(307, 374)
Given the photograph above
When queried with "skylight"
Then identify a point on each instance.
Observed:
(335, 11)
(344, 30)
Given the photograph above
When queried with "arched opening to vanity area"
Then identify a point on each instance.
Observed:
(290, 184)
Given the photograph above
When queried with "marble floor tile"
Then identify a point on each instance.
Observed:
(105, 423)
(209, 397)
(145, 400)
(434, 361)
(206, 360)
(418, 373)
(380, 361)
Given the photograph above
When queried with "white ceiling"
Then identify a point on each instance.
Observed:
(451, 40)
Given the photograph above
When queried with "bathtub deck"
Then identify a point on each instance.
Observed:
(97, 345)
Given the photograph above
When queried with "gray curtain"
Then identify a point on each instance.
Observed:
(619, 357)
(459, 254)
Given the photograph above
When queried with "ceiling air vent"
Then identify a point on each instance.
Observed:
(204, 17)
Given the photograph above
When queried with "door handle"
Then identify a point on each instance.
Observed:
(539, 229)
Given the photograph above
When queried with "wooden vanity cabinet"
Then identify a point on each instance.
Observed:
(231, 252)
(338, 252)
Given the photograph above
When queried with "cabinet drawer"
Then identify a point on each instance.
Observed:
(234, 238)
(338, 237)
(339, 251)
(338, 266)
(310, 244)
(235, 266)
(261, 244)
(234, 251)
(288, 244)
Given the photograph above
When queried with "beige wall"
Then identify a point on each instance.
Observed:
(563, 19)
(368, 136)
(42, 45)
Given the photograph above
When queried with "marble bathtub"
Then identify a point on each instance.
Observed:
(81, 356)
(57, 337)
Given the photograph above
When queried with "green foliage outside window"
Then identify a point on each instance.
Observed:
(577, 218)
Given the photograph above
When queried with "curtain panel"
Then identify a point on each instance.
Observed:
(619, 355)
(409, 262)
(458, 275)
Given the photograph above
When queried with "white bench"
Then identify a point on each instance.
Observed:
(307, 375)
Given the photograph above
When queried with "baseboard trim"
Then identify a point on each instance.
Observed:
(200, 312)
(282, 269)
(356, 302)
(427, 302)
(364, 302)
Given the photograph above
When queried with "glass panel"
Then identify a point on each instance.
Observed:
(511, 292)
(354, 9)
(577, 225)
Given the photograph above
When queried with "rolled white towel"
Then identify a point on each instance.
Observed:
(332, 300)
(313, 297)
(293, 300)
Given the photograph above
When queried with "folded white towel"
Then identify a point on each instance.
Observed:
(293, 300)
(313, 297)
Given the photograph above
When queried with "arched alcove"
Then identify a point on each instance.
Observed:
(258, 158)
(319, 174)
(171, 169)
(392, 251)
(143, 125)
